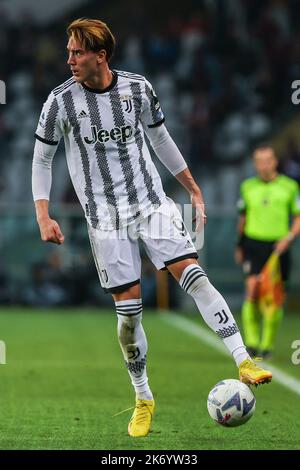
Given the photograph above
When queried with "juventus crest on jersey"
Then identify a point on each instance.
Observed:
(107, 156)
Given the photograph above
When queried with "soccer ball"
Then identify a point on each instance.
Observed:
(231, 403)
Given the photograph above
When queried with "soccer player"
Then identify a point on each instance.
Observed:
(103, 116)
(266, 204)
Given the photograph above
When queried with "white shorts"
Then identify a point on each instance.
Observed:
(117, 255)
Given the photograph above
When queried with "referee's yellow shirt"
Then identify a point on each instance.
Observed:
(268, 206)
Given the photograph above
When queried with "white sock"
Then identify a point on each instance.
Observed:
(134, 346)
(214, 310)
(240, 355)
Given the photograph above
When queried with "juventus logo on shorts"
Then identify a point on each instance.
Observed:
(103, 275)
(127, 101)
(179, 224)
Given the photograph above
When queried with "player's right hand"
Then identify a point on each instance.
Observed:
(50, 231)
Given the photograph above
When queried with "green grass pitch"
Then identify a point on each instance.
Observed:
(65, 379)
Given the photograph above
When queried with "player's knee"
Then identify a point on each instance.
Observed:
(130, 321)
(127, 326)
(204, 287)
(194, 280)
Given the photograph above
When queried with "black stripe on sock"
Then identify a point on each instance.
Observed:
(129, 309)
(191, 273)
(193, 280)
(129, 314)
(128, 305)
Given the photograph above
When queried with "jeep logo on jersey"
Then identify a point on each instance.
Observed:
(122, 133)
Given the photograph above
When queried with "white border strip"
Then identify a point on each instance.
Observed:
(210, 339)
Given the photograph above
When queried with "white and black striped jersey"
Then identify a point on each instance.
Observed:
(107, 156)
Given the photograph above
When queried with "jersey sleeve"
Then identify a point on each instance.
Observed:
(152, 115)
(295, 200)
(166, 149)
(41, 170)
(49, 129)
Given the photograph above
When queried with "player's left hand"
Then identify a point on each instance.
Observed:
(199, 206)
(282, 245)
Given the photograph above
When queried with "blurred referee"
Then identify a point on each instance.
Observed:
(269, 220)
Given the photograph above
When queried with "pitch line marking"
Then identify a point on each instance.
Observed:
(210, 339)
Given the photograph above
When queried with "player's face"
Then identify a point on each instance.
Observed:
(83, 64)
(265, 162)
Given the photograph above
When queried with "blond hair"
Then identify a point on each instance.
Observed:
(93, 35)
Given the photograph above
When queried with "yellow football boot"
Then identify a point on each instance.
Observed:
(140, 422)
(251, 373)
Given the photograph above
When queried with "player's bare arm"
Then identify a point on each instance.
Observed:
(49, 228)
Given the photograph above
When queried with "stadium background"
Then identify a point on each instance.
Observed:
(223, 71)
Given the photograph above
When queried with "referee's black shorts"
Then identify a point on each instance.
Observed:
(257, 252)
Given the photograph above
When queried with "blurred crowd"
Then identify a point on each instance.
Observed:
(222, 70)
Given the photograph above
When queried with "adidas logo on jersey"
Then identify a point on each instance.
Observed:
(82, 114)
(122, 133)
